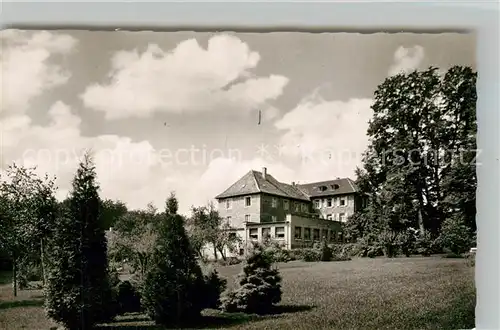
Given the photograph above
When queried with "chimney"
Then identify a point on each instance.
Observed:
(264, 172)
(293, 183)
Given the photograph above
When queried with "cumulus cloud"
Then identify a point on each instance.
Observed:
(328, 137)
(407, 59)
(123, 165)
(187, 78)
(27, 71)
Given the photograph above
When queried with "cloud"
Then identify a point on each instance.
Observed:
(407, 59)
(123, 166)
(187, 78)
(327, 137)
(27, 70)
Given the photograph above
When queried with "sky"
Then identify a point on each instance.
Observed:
(192, 112)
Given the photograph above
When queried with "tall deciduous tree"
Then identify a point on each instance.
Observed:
(207, 227)
(28, 208)
(78, 293)
(418, 169)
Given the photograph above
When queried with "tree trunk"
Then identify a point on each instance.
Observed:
(420, 220)
(14, 275)
(215, 252)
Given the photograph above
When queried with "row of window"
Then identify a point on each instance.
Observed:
(304, 233)
(334, 202)
(298, 207)
(279, 233)
(337, 217)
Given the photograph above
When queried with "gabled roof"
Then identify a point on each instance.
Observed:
(329, 188)
(253, 182)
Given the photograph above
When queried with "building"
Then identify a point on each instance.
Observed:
(298, 215)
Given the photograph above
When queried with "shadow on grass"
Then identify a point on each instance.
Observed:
(215, 320)
(21, 303)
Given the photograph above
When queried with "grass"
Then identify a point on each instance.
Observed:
(400, 293)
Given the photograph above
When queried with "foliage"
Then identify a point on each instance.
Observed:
(260, 286)
(326, 252)
(276, 250)
(407, 241)
(206, 226)
(419, 168)
(111, 211)
(456, 236)
(425, 244)
(229, 261)
(171, 293)
(128, 298)
(78, 293)
(388, 240)
(133, 239)
(214, 287)
(27, 212)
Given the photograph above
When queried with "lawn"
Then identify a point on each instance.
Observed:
(401, 293)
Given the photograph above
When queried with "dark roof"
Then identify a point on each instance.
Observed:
(254, 183)
(329, 188)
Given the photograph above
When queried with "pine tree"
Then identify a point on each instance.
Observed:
(260, 286)
(172, 288)
(78, 294)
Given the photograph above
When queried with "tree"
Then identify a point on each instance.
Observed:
(260, 286)
(456, 236)
(423, 127)
(206, 226)
(133, 238)
(171, 294)
(111, 212)
(78, 293)
(28, 208)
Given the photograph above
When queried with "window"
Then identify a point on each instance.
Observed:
(332, 235)
(274, 202)
(316, 234)
(266, 233)
(248, 201)
(297, 207)
(247, 218)
(280, 232)
(307, 233)
(228, 204)
(254, 233)
(342, 217)
(341, 237)
(242, 252)
(232, 236)
(329, 217)
(342, 201)
(274, 218)
(324, 235)
(286, 204)
(316, 203)
(228, 219)
(304, 208)
(298, 232)
(329, 202)
(322, 188)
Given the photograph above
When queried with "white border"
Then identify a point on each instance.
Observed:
(434, 16)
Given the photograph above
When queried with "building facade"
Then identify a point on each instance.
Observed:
(298, 215)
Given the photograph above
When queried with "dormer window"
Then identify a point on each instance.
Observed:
(322, 188)
(335, 186)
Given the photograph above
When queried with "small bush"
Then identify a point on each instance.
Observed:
(276, 251)
(260, 286)
(425, 244)
(310, 255)
(388, 240)
(407, 241)
(215, 285)
(455, 236)
(128, 298)
(326, 253)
